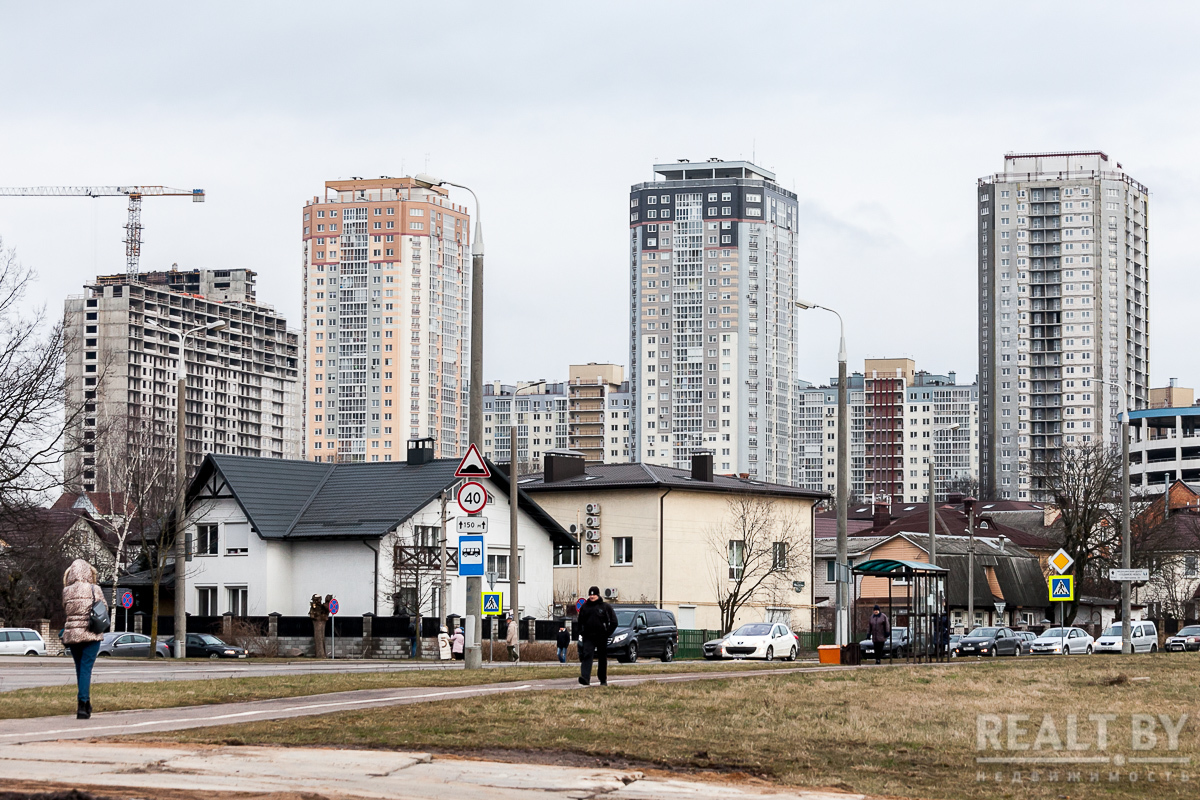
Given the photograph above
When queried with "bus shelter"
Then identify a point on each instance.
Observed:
(915, 596)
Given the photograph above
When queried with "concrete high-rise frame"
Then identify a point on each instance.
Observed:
(387, 320)
(1063, 273)
(712, 323)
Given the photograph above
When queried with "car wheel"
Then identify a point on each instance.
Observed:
(792, 654)
(160, 655)
(213, 656)
(32, 653)
(1088, 651)
(668, 653)
(992, 653)
(770, 653)
(103, 655)
(632, 656)
(1153, 648)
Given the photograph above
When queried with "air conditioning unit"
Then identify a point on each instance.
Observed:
(573, 528)
(610, 594)
(593, 536)
(592, 522)
(593, 508)
(593, 548)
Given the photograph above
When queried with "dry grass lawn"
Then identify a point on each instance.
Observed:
(908, 732)
(51, 700)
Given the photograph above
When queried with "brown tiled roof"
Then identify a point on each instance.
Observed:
(953, 522)
(103, 502)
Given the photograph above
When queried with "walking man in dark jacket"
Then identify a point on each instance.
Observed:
(597, 621)
(564, 642)
(880, 627)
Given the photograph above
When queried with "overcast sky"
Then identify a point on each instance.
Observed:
(881, 117)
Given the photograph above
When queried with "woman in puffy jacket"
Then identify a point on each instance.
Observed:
(80, 593)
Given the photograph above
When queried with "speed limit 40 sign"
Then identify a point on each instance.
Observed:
(472, 497)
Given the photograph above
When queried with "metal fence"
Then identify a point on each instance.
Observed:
(691, 642)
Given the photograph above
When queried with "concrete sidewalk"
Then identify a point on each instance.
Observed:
(117, 770)
(119, 723)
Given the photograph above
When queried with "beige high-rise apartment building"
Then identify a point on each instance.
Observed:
(598, 403)
(1064, 316)
(387, 295)
(243, 382)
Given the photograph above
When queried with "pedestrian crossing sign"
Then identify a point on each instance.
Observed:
(492, 603)
(1062, 588)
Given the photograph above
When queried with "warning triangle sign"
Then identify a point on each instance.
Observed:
(472, 465)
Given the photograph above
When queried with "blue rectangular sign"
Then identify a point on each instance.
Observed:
(470, 556)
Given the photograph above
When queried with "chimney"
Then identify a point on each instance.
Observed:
(559, 466)
(882, 517)
(702, 467)
(1002, 540)
(420, 451)
(954, 498)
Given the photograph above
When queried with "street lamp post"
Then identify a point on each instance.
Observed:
(180, 634)
(970, 504)
(842, 568)
(1126, 632)
(933, 494)
(473, 653)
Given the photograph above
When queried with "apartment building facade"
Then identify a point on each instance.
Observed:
(713, 268)
(901, 420)
(123, 358)
(599, 413)
(1063, 280)
(387, 296)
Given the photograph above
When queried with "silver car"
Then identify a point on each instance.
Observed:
(21, 642)
(131, 645)
(1063, 641)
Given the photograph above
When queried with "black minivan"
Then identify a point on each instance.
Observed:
(643, 631)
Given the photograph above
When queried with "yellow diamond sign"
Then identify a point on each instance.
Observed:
(1061, 561)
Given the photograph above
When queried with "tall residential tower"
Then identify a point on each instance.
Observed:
(712, 321)
(1063, 312)
(387, 279)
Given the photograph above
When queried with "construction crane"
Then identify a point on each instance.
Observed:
(133, 228)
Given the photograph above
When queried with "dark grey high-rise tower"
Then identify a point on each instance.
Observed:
(712, 319)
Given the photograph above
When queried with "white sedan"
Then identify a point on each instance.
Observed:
(1063, 641)
(768, 640)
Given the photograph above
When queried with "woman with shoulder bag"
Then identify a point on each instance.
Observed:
(87, 621)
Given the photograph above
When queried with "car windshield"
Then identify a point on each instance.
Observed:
(625, 618)
(1056, 633)
(899, 633)
(1112, 630)
(986, 633)
(1190, 630)
(208, 638)
(754, 629)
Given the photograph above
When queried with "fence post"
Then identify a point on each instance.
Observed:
(139, 621)
(368, 625)
(227, 625)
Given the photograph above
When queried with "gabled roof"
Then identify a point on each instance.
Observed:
(102, 503)
(297, 500)
(952, 522)
(650, 476)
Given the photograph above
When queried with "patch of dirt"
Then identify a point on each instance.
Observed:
(701, 768)
(25, 790)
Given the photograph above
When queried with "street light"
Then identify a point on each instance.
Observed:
(181, 473)
(1126, 633)
(933, 494)
(841, 626)
(514, 557)
(473, 655)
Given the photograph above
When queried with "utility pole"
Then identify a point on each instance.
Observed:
(1126, 626)
(514, 563)
(970, 504)
(442, 554)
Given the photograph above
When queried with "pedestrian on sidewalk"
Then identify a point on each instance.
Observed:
(444, 644)
(80, 593)
(880, 627)
(597, 621)
(564, 642)
(457, 642)
(512, 638)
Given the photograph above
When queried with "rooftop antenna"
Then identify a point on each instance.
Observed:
(754, 151)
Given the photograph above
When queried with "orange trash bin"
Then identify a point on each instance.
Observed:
(829, 654)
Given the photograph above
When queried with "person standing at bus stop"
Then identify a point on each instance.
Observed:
(80, 592)
(597, 621)
(880, 627)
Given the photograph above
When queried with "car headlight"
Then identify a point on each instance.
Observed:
(228, 652)
(620, 637)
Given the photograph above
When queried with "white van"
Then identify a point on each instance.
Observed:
(21, 642)
(1143, 636)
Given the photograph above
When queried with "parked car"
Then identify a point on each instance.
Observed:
(205, 645)
(767, 640)
(644, 632)
(131, 645)
(712, 648)
(1188, 638)
(989, 642)
(1143, 636)
(1064, 641)
(1027, 638)
(21, 642)
(954, 639)
(896, 646)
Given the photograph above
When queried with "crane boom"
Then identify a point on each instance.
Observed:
(133, 227)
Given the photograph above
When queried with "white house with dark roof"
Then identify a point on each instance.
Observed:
(267, 534)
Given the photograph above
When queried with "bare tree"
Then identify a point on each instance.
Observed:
(754, 553)
(416, 573)
(1085, 484)
(962, 484)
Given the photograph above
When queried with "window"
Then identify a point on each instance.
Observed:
(206, 601)
(206, 540)
(237, 600)
(623, 550)
(566, 555)
(498, 565)
(779, 555)
(737, 558)
(1189, 566)
(237, 537)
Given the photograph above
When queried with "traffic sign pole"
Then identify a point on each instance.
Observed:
(333, 609)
